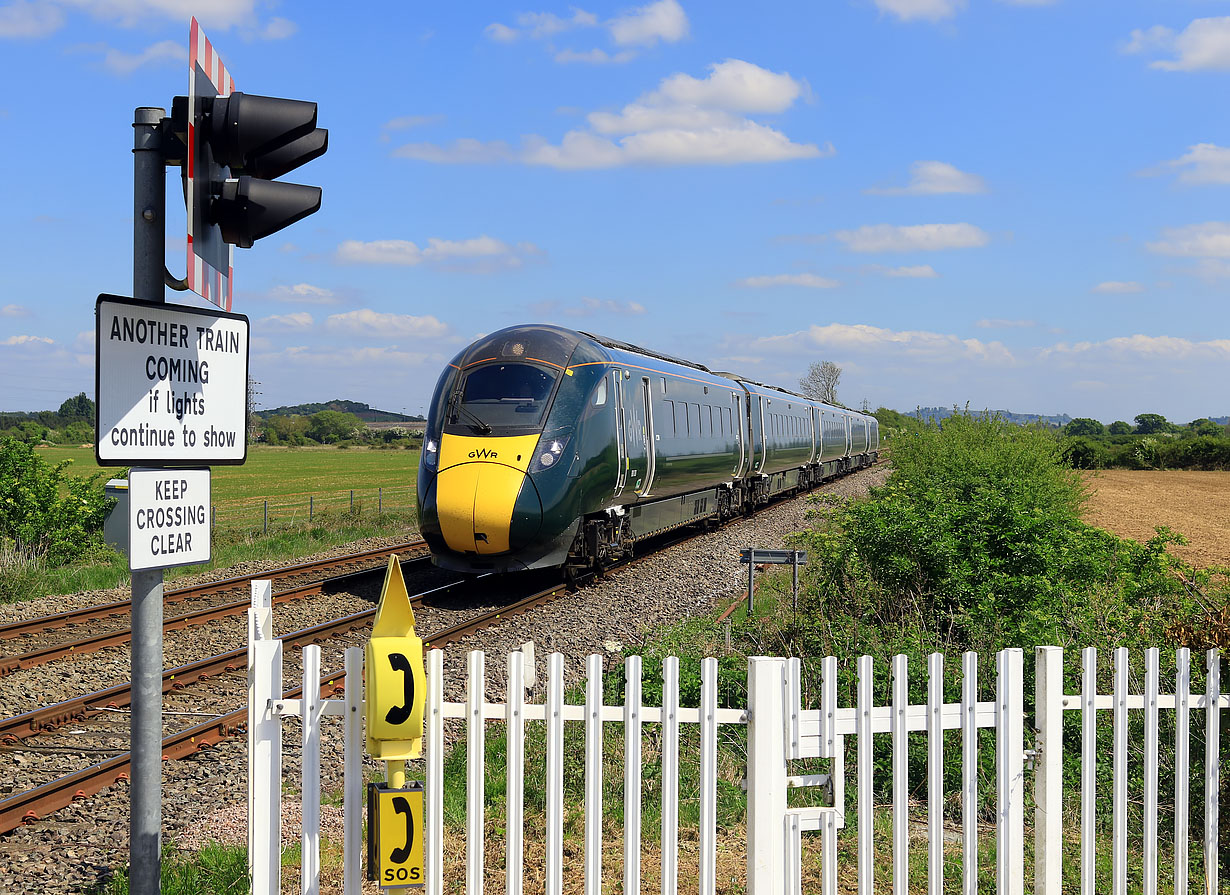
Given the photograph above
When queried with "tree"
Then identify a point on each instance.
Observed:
(77, 408)
(1151, 424)
(1204, 426)
(821, 381)
(1083, 426)
(332, 426)
(1119, 427)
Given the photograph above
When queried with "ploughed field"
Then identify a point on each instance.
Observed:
(1131, 503)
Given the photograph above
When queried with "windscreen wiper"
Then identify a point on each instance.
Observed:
(477, 423)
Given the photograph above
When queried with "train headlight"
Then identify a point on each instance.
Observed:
(550, 452)
(431, 452)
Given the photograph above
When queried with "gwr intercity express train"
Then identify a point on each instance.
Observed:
(547, 447)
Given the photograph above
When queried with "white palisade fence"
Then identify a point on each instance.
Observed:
(1027, 770)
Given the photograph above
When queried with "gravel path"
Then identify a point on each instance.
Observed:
(203, 797)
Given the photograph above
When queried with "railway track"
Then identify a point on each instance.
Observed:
(32, 805)
(39, 644)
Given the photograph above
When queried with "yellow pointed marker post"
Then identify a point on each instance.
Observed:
(396, 679)
(396, 701)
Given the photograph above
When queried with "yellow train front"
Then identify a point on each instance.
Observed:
(497, 485)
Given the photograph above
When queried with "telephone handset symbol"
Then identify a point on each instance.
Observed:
(402, 806)
(398, 714)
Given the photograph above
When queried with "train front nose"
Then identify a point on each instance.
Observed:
(485, 502)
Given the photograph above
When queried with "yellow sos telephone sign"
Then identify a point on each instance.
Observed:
(396, 695)
(395, 835)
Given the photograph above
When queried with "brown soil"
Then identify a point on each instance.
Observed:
(1131, 503)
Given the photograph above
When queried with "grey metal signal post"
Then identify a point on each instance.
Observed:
(145, 791)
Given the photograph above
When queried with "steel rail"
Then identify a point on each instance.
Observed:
(33, 805)
(10, 664)
(122, 607)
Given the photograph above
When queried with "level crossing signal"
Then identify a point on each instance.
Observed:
(243, 142)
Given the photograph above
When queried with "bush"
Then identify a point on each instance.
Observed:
(976, 542)
(47, 514)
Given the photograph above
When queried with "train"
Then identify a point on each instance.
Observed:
(547, 447)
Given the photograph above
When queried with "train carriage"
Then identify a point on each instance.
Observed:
(548, 447)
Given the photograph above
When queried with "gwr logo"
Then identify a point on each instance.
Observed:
(483, 454)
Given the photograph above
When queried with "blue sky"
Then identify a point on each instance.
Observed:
(1018, 204)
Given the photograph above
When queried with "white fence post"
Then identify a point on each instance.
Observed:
(969, 772)
(1010, 772)
(476, 667)
(935, 774)
(593, 775)
(1089, 765)
(433, 791)
(1048, 771)
(555, 774)
(310, 715)
(514, 786)
(866, 842)
(708, 776)
(670, 774)
(352, 778)
(766, 776)
(901, 805)
(632, 775)
(1119, 777)
(264, 746)
(1212, 768)
(1182, 762)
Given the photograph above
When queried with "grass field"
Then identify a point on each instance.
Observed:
(285, 473)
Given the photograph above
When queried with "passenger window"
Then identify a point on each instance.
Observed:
(600, 393)
(681, 418)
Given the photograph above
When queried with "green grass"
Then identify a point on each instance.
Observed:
(284, 472)
(214, 870)
(308, 494)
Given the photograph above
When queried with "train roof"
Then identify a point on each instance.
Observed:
(607, 342)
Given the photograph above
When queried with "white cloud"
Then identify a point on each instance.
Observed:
(1204, 163)
(664, 20)
(591, 306)
(929, 10)
(595, 56)
(994, 323)
(14, 311)
(1117, 287)
(366, 322)
(686, 120)
(485, 250)
(164, 52)
(810, 280)
(286, 323)
(304, 294)
(22, 18)
(1208, 240)
(915, 271)
(919, 238)
(465, 151)
(1202, 45)
(539, 25)
(27, 340)
(501, 33)
(1143, 346)
(933, 179)
(862, 338)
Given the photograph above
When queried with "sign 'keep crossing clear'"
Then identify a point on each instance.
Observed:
(172, 384)
(168, 517)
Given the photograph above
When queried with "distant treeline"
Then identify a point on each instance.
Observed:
(364, 412)
(1153, 443)
(73, 423)
(1149, 442)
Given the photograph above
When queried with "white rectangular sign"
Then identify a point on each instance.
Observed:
(168, 518)
(172, 384)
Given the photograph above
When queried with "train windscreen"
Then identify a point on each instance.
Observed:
(507, 394)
